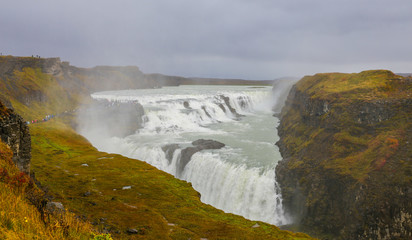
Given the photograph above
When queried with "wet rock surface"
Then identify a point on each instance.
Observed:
(187, 153)
(231, 109)
(199, 145)
(169, 151)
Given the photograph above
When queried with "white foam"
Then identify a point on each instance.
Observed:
(249, 192)
(223, 180)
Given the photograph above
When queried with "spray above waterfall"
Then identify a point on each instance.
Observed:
(219, 138)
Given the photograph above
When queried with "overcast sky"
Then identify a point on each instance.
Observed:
(250, 39)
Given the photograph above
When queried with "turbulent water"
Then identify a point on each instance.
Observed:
(239, 178)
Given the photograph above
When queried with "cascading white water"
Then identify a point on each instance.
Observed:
(238, 178)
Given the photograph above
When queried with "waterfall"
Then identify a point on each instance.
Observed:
(239, 178)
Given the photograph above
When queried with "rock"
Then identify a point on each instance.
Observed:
(208, 144)
(222, 107)
(242, 102)
(186, 105)
(169, 151)
(231, 109)
(199, 145)
(86, 194)
(126, 187)
(85, 165)
(15, 133)
(206, 112)
(346, 178)
(140, 231)
(256, 226)
(55, 207)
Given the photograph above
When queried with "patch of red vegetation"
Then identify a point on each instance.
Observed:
(392, 143)
(17, 180)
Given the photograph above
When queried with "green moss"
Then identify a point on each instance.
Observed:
(373, 155)
(367, 85)
(35, 94)
(168, 207)
(349, 147)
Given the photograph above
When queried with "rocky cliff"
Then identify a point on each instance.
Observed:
(345, 140)
(15, 133)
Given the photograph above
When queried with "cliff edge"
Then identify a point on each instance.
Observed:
(15, 133)
(345, 140)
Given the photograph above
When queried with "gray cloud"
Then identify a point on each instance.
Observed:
(232, 38)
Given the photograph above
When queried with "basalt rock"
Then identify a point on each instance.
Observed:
(199, 145)
(169, 150)
(186, 105)
(231, 109)
(206, 112)
(346, 170)
(15, 133)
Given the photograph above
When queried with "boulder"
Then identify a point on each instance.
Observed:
(199, 145)
(55, 207)
(186, 105)
(169, 150)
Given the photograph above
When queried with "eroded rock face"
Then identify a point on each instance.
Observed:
(346, 166)
(199, 145)
(169, 150)
(15, 133)
(187, 153)
(231, 109)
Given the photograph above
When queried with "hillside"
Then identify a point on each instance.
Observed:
(347, 170)
(25, 212)
(124, 197)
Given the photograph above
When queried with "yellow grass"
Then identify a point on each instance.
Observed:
(19, 219)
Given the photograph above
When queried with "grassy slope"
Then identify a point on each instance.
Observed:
(32, 83)
(158, 205)
(21, 220)
(367, 85)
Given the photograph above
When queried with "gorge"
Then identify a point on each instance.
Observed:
(344, 171)
(114, 193)
(234, 171)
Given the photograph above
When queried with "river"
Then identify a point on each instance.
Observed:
(238, 178)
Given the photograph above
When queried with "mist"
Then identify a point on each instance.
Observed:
(280, 92)
(101, 120)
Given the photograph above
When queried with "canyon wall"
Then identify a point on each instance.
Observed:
(345, 140)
